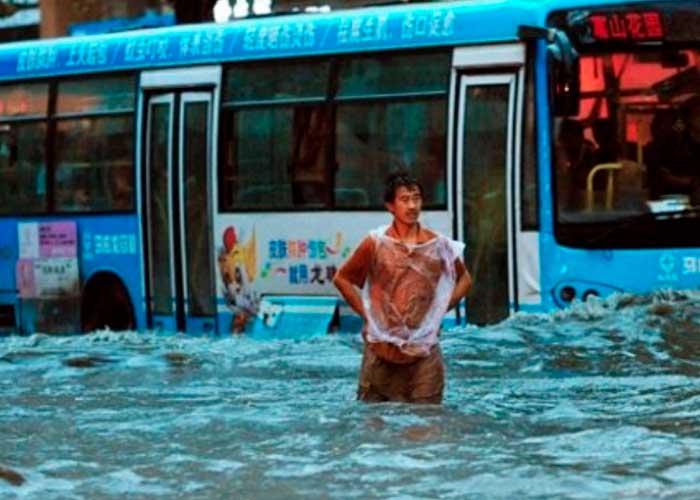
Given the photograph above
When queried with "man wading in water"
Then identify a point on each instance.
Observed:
(409, 277)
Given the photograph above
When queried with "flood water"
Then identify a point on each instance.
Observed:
(601, 401)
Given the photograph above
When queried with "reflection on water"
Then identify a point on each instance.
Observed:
(599, 401)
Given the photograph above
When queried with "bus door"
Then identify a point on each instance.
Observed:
(177, 202)
(487, 109)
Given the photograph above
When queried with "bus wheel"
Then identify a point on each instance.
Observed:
(106, 304)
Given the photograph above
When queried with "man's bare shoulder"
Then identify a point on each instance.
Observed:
(427, 234)
(366, 244)
(355, 268)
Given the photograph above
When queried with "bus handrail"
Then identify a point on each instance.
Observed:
(609, 188)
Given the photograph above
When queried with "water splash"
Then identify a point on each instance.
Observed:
(601, 400)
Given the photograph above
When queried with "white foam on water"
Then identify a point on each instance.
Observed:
(127, 482)
(61, 464)
(305, 470)
(399, 460)
(39, 485)
(222, 465)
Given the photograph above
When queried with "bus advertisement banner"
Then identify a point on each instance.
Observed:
(46, 240)
(48, 278)
(354, 31)
(48, 263)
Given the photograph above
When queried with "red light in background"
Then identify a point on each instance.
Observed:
(632, 26)
(631, 134)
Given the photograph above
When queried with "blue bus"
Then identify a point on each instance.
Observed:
(211, 178)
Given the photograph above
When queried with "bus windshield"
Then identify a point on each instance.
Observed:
(633, 151)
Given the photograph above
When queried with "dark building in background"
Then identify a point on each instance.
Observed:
(30, 19)
(27, 19)
(19, 20)
(100, 16)
(189, 11)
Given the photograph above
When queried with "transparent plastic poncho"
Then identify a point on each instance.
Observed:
(408, 289)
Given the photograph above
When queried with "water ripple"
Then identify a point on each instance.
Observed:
(598, 401)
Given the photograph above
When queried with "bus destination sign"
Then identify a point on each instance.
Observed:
(631, 26)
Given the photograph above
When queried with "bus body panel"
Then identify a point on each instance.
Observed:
(294, 253)
(8, 255)
(111, 243)
(105, 244)
(635, 271)
(369, 29)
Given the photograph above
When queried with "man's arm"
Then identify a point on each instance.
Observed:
(350, 294)
(352, 274)
(463, 285)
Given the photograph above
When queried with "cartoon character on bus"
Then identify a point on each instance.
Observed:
(238, 266)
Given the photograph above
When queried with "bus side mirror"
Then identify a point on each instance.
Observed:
(564, 79)
(562, 65)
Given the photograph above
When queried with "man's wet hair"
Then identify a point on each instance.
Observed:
(395, 180)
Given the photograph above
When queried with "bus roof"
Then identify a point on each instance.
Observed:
(378, 28)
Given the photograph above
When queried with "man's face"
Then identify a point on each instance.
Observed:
(407, 204)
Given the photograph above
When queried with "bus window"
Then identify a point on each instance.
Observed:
(24, 101)
(94, 164)
(94, 150)
(375, 138)
(630, 147)
(405, 74)
(111, 94)
(275, 132)
(391, 115)
(529, 207)
(23, 167)
(266, 83)
(280, 158)
(626, 165)
(23, 110)
(281, 121)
